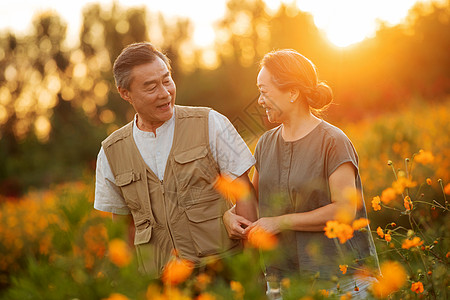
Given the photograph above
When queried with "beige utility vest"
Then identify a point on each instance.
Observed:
(182, 212)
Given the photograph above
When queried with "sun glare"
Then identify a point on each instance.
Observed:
(347, 22)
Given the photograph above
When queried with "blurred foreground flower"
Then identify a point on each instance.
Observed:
(231, 189)
(424, 157)
(238, 289)
(388, 195)
(177, 270)
(360, 223)
(119, 252)
(116, 296)
(261, 239)
(417, 287)
(393, 278)
(335, 229)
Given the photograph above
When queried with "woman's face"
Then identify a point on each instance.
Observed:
(275, 102)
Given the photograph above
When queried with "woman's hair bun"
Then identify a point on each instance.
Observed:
(321, 96)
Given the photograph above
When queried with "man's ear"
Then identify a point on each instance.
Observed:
(125, 94)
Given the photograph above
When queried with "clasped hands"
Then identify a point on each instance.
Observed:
(239, 227)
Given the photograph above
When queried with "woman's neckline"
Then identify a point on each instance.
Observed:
(301, 137)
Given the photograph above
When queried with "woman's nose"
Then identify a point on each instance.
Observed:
(260, 100)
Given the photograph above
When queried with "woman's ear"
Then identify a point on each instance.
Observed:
(294, 94)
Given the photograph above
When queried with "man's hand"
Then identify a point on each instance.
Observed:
(235, 224)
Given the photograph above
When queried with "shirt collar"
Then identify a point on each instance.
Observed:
(160, 130)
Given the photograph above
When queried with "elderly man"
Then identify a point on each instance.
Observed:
(159, 170)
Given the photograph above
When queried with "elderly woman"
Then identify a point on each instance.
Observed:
(306, 169)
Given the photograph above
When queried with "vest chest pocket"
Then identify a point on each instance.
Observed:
(127, 182)
(207, 229)
(194, 168)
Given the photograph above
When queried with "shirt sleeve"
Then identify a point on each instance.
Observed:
(108, 197)
(227, 146)
(341, 151)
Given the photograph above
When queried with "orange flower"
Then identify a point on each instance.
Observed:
(401, 183)
(176, 271)
(417, 287)
(331, 228)
(205, 296)
(407, 203)
(116, 296)
(394, 277)
(380, 232)
(324, 293)
(261, 239)
(346, 296)
(237, 288)
(429, 182)
(387, 237)
(447, 255)
(202, 281)
(376, 203)
(119, 253)
(343, 268)
(360, 223)
(388, 195)
(447, 189)
(231, 189)
(334, 229)
(393, 224)
(409, 243)
(424, 157)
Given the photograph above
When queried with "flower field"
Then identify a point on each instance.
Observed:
(54, 245)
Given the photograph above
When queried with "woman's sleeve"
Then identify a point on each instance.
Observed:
(341, 151)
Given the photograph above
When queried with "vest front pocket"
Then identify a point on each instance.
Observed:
(193, 168)
(207, 229)
(126, 182)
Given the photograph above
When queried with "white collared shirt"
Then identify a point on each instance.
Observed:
(227, 147)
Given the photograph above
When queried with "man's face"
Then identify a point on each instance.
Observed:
(152, 94)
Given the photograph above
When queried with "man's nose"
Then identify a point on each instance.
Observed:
(163, 92)
(260, 100)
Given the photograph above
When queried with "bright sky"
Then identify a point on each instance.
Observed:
(344, 21)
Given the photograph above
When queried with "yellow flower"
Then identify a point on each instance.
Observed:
(231, 189)
(176, 271)
(392, 279)
(343, 268)
(388, 195)
(261, 239)
(360, 223)
(387, 237)
(376, 203)
(380, 232)
(417, 287)
(407, 203)
(119, 252)
(424, 157)
(429, 182)
(409, 243)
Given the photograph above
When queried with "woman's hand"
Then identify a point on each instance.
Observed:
(235, 224)
(271, 225)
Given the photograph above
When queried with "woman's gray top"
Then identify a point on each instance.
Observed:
(293, 178)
